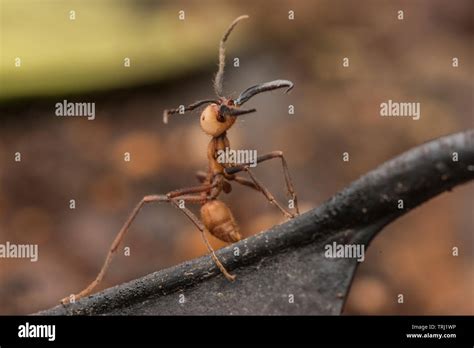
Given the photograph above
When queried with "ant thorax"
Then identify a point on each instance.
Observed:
(219, 143)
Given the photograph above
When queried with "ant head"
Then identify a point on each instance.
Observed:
(220, 115)
(216, 119)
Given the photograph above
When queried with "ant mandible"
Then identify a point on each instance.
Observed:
(216, 119)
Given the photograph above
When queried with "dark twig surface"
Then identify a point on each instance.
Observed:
(289, 258)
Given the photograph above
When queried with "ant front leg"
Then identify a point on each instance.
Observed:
(286, 173)
(266, 193)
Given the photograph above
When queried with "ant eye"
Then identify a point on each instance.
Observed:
(220, 117)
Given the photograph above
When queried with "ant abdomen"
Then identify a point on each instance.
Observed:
(219, 221)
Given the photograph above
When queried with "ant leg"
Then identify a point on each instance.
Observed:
(170, 198)
(286, 173)
(202, 229)
(246, 182)
(201, 176)
(174, 195)
(194, 189)
(267, 193)
(115, 244)
(123, 231)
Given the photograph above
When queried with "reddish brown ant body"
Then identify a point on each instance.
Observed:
(216, 119)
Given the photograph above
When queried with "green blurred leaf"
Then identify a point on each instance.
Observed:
(61, 56)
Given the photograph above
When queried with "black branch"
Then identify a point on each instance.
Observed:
(288, 260)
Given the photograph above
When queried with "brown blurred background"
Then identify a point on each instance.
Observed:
(172, 63)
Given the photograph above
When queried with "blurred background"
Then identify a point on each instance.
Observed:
(172, 62)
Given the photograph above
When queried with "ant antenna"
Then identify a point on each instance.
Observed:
(219, 79)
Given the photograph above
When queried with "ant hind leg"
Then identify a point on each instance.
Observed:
(113, 248)
(202, 229)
